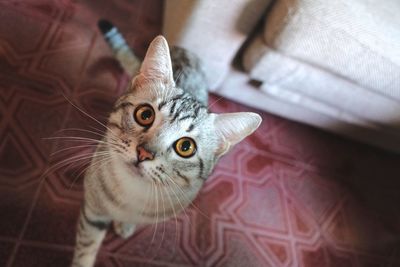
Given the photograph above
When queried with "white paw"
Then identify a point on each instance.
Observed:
(124, 230)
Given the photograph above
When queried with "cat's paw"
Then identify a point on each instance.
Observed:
(124, 230)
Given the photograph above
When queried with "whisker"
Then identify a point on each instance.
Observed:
(154, 234)
(152, 197)
(81, 156)
(147, 199)
(78, 164)
(104, 160)
(68, 161)
(96, 129)
(73, 147)
(215, 102)
(71, 160)
(175, 217)
(83, 140)
(179, 201)
(75, 138)
(102, 124)
(178, 76)
(190, 202)
(164, 217)
(81, 130)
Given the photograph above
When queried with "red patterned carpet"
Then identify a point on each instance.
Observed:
(289, 195)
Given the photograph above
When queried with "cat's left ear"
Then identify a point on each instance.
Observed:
(157, 62)
(234, 127)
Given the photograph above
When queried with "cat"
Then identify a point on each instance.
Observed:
(160, 145)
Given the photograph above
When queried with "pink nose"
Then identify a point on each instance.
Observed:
(143, 154)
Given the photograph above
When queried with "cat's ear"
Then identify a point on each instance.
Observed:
(234, 127)
(157, 62)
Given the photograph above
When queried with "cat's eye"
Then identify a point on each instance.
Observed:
(185, 147)
(144, 115)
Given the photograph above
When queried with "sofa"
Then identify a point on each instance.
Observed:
(334, 65)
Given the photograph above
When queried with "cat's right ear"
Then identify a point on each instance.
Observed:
(231, 128)
(157, 63)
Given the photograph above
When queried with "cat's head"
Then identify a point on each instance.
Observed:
(163, 133)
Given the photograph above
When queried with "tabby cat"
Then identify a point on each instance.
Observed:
(161, 145)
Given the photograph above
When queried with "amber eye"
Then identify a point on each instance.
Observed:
(144, 115)
(185, 147)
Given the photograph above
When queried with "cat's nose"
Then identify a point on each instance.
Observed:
(143, 154)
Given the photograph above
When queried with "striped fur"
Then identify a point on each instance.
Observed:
(126, 191)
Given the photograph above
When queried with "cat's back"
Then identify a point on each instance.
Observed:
(189, 73)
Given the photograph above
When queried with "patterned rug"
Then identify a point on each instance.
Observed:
(289, 195)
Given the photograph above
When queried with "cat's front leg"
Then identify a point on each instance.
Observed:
(91, 231)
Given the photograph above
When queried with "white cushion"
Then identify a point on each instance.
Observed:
(358, 40)
(339, 59)
(282, 71)
(214, 30)
(275, 100)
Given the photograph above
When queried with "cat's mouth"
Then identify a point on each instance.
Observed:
(138, 168)
(136, 164)
(135, 167)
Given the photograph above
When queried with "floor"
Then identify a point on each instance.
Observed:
(289, 195)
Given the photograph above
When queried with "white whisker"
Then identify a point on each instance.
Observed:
(164, 217)
(190, 202)
(156, 224)
(102, 124)
(175, 217)
(103, 160)
(72, 147)
(179, 200)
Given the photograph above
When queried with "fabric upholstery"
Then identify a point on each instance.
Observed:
(337, 58)
(299, 107)
(357, 40)
(215, 30)
(278, 70)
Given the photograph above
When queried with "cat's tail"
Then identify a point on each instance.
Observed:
(122, 52)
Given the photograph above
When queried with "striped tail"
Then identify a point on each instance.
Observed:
(122, 52)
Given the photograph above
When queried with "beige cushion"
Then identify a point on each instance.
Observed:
(215, 30)
(338, 58)
(358, 40)
(275, 100)
(281, 71)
